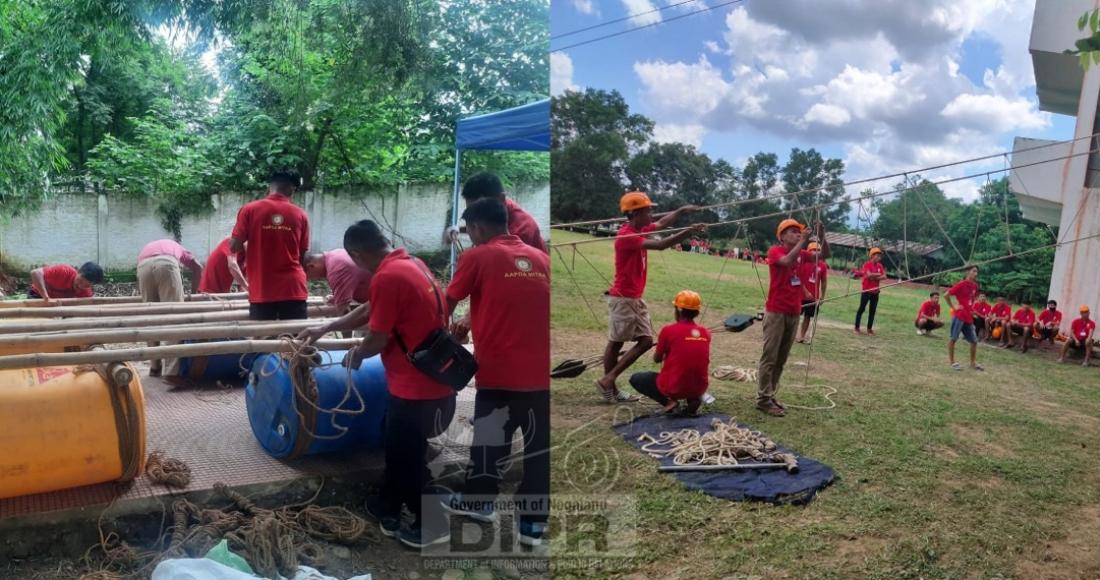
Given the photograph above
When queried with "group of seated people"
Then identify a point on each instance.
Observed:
(998, 322)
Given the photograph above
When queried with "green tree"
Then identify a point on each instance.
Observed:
(808, 170)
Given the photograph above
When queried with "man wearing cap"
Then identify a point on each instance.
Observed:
(628, 318)
(277, 234)
(872, 272)
(1050, 320)
(814, 274)
(962, 318)
(783, 306)
(1080, 336)
(683, 350)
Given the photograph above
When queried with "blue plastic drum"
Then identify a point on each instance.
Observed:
(223, 367)
(269, 398)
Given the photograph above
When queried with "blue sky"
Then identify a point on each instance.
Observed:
(886, 86)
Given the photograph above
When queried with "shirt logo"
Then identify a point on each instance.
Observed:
(523, 264)
(277, 219)
(695, 332)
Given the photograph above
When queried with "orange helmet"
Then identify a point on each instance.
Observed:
(634, 200)
(688, 300)
(813, 246)
(875, 251)
(997, 332)
(1084, 308)
(787, 223)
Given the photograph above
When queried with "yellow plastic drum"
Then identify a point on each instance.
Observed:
(58, 430)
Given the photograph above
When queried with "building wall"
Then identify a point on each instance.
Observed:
(74, 228)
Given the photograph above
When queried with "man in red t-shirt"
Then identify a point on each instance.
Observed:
(815, 278)
(928, 315)
(223, 268)
(683, 350)
(520, 223)
(64, 281)
(783, 307)
(277, 233)
(1080, 336)
(628, 316)
(508, 284)
(872, 273)
(1050, 320)
(999, 317)
(962, 318)
(406, 306)
(982, 311)
(350, 284)
(1023, 323)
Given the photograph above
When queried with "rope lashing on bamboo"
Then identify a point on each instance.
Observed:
(167, 471)
(273, 541)
(725, 444)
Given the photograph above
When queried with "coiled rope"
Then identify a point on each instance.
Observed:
(725, 444)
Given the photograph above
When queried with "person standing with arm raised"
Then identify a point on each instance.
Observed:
(962, 318)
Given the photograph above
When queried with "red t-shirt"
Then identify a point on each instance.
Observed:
(1081, 329)
(347, 281)
(870, 267)
(784, 283)
(685, 369)
(508, 283)
(630, 262)
(964, 291)
(812, 274)
(1048, 316)
(277, 232)
(929, 309)
(216, 277)
(1024, 316)
(59, 280)
(403, 302)
(521, 224)
(983, 309)
(1002, 310)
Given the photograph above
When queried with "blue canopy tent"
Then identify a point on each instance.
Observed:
(525, 128)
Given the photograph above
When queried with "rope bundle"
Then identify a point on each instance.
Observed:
(167, 470)
(726, 444)
(272, 541)
(732, 373)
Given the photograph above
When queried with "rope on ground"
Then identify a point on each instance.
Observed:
(273, 541)
(167, 471)
(733, 373)
(725, 444)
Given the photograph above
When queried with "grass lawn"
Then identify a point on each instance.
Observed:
(942, 474)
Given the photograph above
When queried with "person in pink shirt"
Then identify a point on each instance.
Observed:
(350, 284)
(159, 280)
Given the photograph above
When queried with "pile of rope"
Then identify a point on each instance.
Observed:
(272, 541)
(732, 373)
(726, 444)
(167, 471)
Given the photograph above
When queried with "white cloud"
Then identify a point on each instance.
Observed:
(584, 6)
(561, 73)
(643, 12)
(826, 114)
(879, 79)
(672, 133)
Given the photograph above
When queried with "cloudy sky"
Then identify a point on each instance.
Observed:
(885, 85)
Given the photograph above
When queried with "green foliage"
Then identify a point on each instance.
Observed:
(1088, 48)
(808, 170)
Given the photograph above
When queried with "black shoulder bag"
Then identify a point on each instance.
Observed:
(440, 356)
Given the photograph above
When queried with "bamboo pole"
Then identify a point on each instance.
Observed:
(141, 321)
(105, 300)
(145, 308)
(22, 361)
(163, 333)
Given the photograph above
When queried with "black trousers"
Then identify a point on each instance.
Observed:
(284, 310)
(867, 299)
(409, 425)
(497, 415)
(645, 383)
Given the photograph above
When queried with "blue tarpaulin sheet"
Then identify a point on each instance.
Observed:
(769, 485)
(525, 128)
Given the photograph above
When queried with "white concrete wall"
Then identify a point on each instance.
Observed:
(73, 228)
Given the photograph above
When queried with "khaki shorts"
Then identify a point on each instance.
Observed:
(628, 319)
